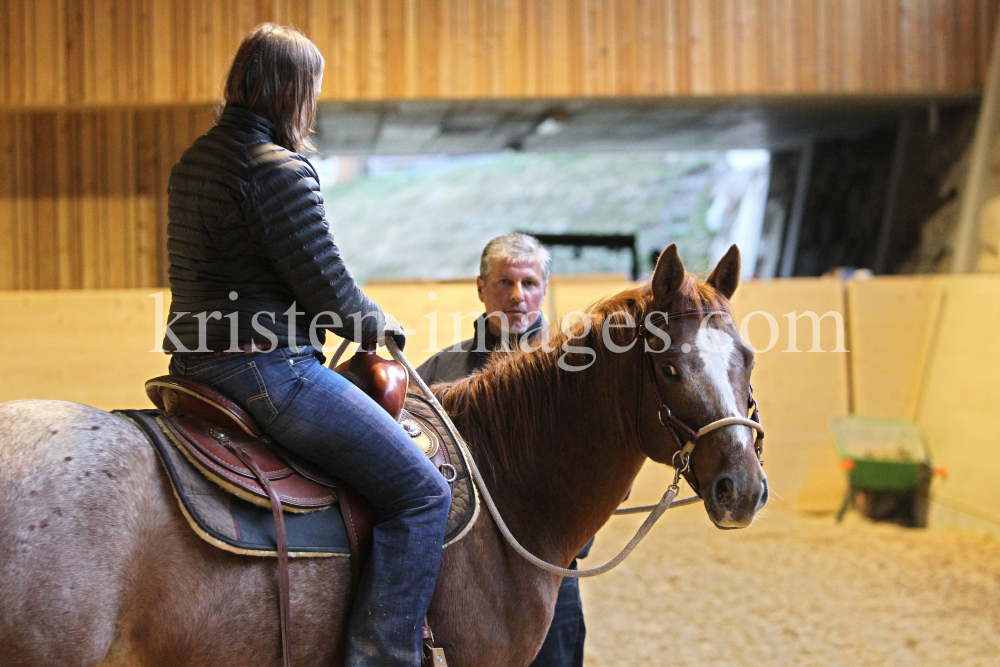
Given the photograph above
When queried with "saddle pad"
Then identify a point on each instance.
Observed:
(464, 495)
(228, 522)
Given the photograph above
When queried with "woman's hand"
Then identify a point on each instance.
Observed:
(393, 328)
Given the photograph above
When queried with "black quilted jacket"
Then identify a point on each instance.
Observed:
(247, 235)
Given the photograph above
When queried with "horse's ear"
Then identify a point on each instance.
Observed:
(726, 276)
(667, 276)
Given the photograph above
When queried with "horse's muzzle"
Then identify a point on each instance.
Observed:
(734, 502)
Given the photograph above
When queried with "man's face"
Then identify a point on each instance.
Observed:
(517, 290)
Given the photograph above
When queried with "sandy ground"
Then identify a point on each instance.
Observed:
(793, 590)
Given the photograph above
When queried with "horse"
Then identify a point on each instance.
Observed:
(98, 566)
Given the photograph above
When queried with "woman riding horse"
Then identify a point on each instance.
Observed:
(249, 246)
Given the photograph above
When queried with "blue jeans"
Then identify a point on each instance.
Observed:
(322, 417)
(563, 645)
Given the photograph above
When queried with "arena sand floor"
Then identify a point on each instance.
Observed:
(793, 590)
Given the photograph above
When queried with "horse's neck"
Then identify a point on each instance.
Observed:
(579, 459)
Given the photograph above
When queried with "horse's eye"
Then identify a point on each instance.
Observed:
(669, 371)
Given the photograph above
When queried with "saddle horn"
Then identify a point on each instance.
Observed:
(384, 380)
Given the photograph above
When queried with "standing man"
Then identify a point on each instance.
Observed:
(513, 276)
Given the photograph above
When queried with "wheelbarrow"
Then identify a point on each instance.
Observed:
(887, 460)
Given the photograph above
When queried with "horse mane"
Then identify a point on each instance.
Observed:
(497, 409)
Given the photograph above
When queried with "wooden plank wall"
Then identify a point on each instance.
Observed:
(923, 349)
(83, 195)
(99, 97)
(957, 408)
(798, 393)
(889, 322)
(100, 52)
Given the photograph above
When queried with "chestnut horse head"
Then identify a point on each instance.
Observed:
(589, 399)
(701, 369)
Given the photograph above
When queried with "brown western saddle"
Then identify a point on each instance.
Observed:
(226, 445)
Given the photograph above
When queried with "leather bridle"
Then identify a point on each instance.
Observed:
(683, 435)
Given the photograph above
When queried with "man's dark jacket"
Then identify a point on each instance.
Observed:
(246, 217)
(454, 364)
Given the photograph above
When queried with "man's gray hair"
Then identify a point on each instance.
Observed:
(516, 248)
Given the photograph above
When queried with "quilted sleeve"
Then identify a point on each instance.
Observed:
(286, 219)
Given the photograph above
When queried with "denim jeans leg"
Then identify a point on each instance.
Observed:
(563, 645)
(320, 416)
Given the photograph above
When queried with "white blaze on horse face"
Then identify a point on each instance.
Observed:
(715, 348)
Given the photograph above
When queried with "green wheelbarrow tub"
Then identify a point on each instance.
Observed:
(882, 475)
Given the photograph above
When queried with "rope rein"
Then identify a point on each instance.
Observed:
(668, 501)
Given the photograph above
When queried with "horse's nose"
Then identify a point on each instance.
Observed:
(727, 495)
(724, 493)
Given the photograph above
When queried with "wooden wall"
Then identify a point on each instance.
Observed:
(83, 195)
(127, 52)
(958, 400)
(798, 392)
(924, 349)
(100, 344)
(890, 329)
(99, 97)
